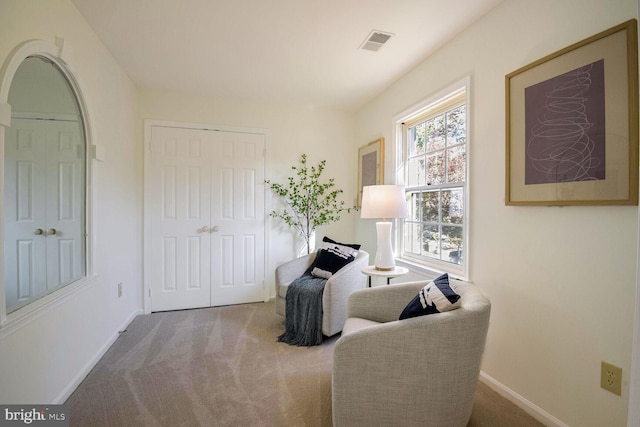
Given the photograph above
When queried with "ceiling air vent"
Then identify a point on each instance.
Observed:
(375, 40)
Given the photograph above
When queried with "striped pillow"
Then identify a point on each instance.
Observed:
(332, 256)
(436, 297)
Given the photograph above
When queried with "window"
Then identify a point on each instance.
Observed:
(434, 142)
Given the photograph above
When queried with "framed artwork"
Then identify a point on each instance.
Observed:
(370, 166)
(572, 124)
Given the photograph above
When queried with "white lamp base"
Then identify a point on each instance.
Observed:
(384, 254)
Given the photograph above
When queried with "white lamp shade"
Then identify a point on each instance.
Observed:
(383, 201)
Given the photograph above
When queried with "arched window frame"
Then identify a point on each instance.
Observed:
(57, 53)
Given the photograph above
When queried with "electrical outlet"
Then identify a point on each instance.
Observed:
(119, 289)
(611, 378)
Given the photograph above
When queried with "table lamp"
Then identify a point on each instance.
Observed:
(384, 201)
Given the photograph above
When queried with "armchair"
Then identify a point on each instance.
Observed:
(421, 371)
(336, 291)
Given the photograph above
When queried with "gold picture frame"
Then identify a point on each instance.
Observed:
(572, 124)
(370, 166)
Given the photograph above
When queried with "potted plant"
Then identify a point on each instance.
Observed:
(309, 203)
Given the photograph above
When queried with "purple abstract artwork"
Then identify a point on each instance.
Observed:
(565, 127)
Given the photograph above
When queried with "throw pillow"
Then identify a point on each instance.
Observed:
(332, 256)
(436, 297)
(326, 239)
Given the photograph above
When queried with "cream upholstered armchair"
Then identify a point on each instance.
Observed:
(421, 371)
(336, 291)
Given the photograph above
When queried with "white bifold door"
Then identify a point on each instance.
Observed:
(207, 218)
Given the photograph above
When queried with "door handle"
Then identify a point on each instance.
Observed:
(38, 231)
(51, 231)
(206, 229)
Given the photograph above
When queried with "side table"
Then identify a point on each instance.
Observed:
(389, 274)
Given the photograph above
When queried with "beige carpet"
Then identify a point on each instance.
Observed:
(223, 367)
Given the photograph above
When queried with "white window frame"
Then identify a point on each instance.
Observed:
(11, 322)
(434, 103)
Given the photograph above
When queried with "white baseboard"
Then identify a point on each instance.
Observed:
(535, 411)
(82, 374)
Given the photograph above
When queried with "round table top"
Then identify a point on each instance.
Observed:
(397, 271)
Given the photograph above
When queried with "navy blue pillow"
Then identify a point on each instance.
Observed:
(332, 256)
(436, 297)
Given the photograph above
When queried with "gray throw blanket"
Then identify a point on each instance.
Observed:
(303, 313)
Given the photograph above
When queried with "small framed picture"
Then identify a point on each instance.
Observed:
(370, 166)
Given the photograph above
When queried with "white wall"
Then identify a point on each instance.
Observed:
(323, 134)
(561, 280)
(44, 360)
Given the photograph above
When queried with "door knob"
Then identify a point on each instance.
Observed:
(51, 231)
(204, 229)
(214, 229)
(38, 231)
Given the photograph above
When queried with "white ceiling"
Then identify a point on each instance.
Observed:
(284, 51)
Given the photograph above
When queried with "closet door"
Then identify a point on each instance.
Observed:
(238, 219)
(180, 218)
(207, 218)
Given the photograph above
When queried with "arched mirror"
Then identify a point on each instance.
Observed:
(44, 184)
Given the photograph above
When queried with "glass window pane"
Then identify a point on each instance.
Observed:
(452, 206)
(413, 207)
(430, 206)
(456, 164)
(416, 172)
(457, 126)
(431, 241)
(452, 243)
(435, 168)
(411, 141)
(417, 139)
(435, 133)
(412, 237)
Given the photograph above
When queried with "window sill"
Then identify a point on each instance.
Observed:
(23, 316)
(428, 271)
